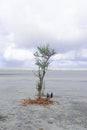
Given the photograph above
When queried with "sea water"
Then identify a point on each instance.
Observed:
(67, 82)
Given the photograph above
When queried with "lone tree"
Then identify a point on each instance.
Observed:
(42, 58)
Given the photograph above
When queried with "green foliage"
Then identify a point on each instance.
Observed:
(42, 58)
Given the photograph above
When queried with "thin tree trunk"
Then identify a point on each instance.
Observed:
(40, 94)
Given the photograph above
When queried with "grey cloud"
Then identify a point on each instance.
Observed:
(13, 63)
(59, 46)
(28, 24)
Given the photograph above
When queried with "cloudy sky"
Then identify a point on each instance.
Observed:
(25, 24)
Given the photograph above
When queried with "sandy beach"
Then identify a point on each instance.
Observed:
(71, 114)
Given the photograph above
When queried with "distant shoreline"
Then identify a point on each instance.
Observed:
(31, 69)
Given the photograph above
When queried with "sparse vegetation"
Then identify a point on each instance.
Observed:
(42, 101)
(42, 58)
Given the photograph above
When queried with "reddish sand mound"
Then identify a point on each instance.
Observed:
(42, 101)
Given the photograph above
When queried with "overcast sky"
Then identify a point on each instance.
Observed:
(25, 24)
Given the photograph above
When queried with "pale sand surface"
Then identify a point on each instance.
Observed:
(71, 114)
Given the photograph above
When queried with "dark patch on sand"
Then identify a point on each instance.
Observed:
(3, 118)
